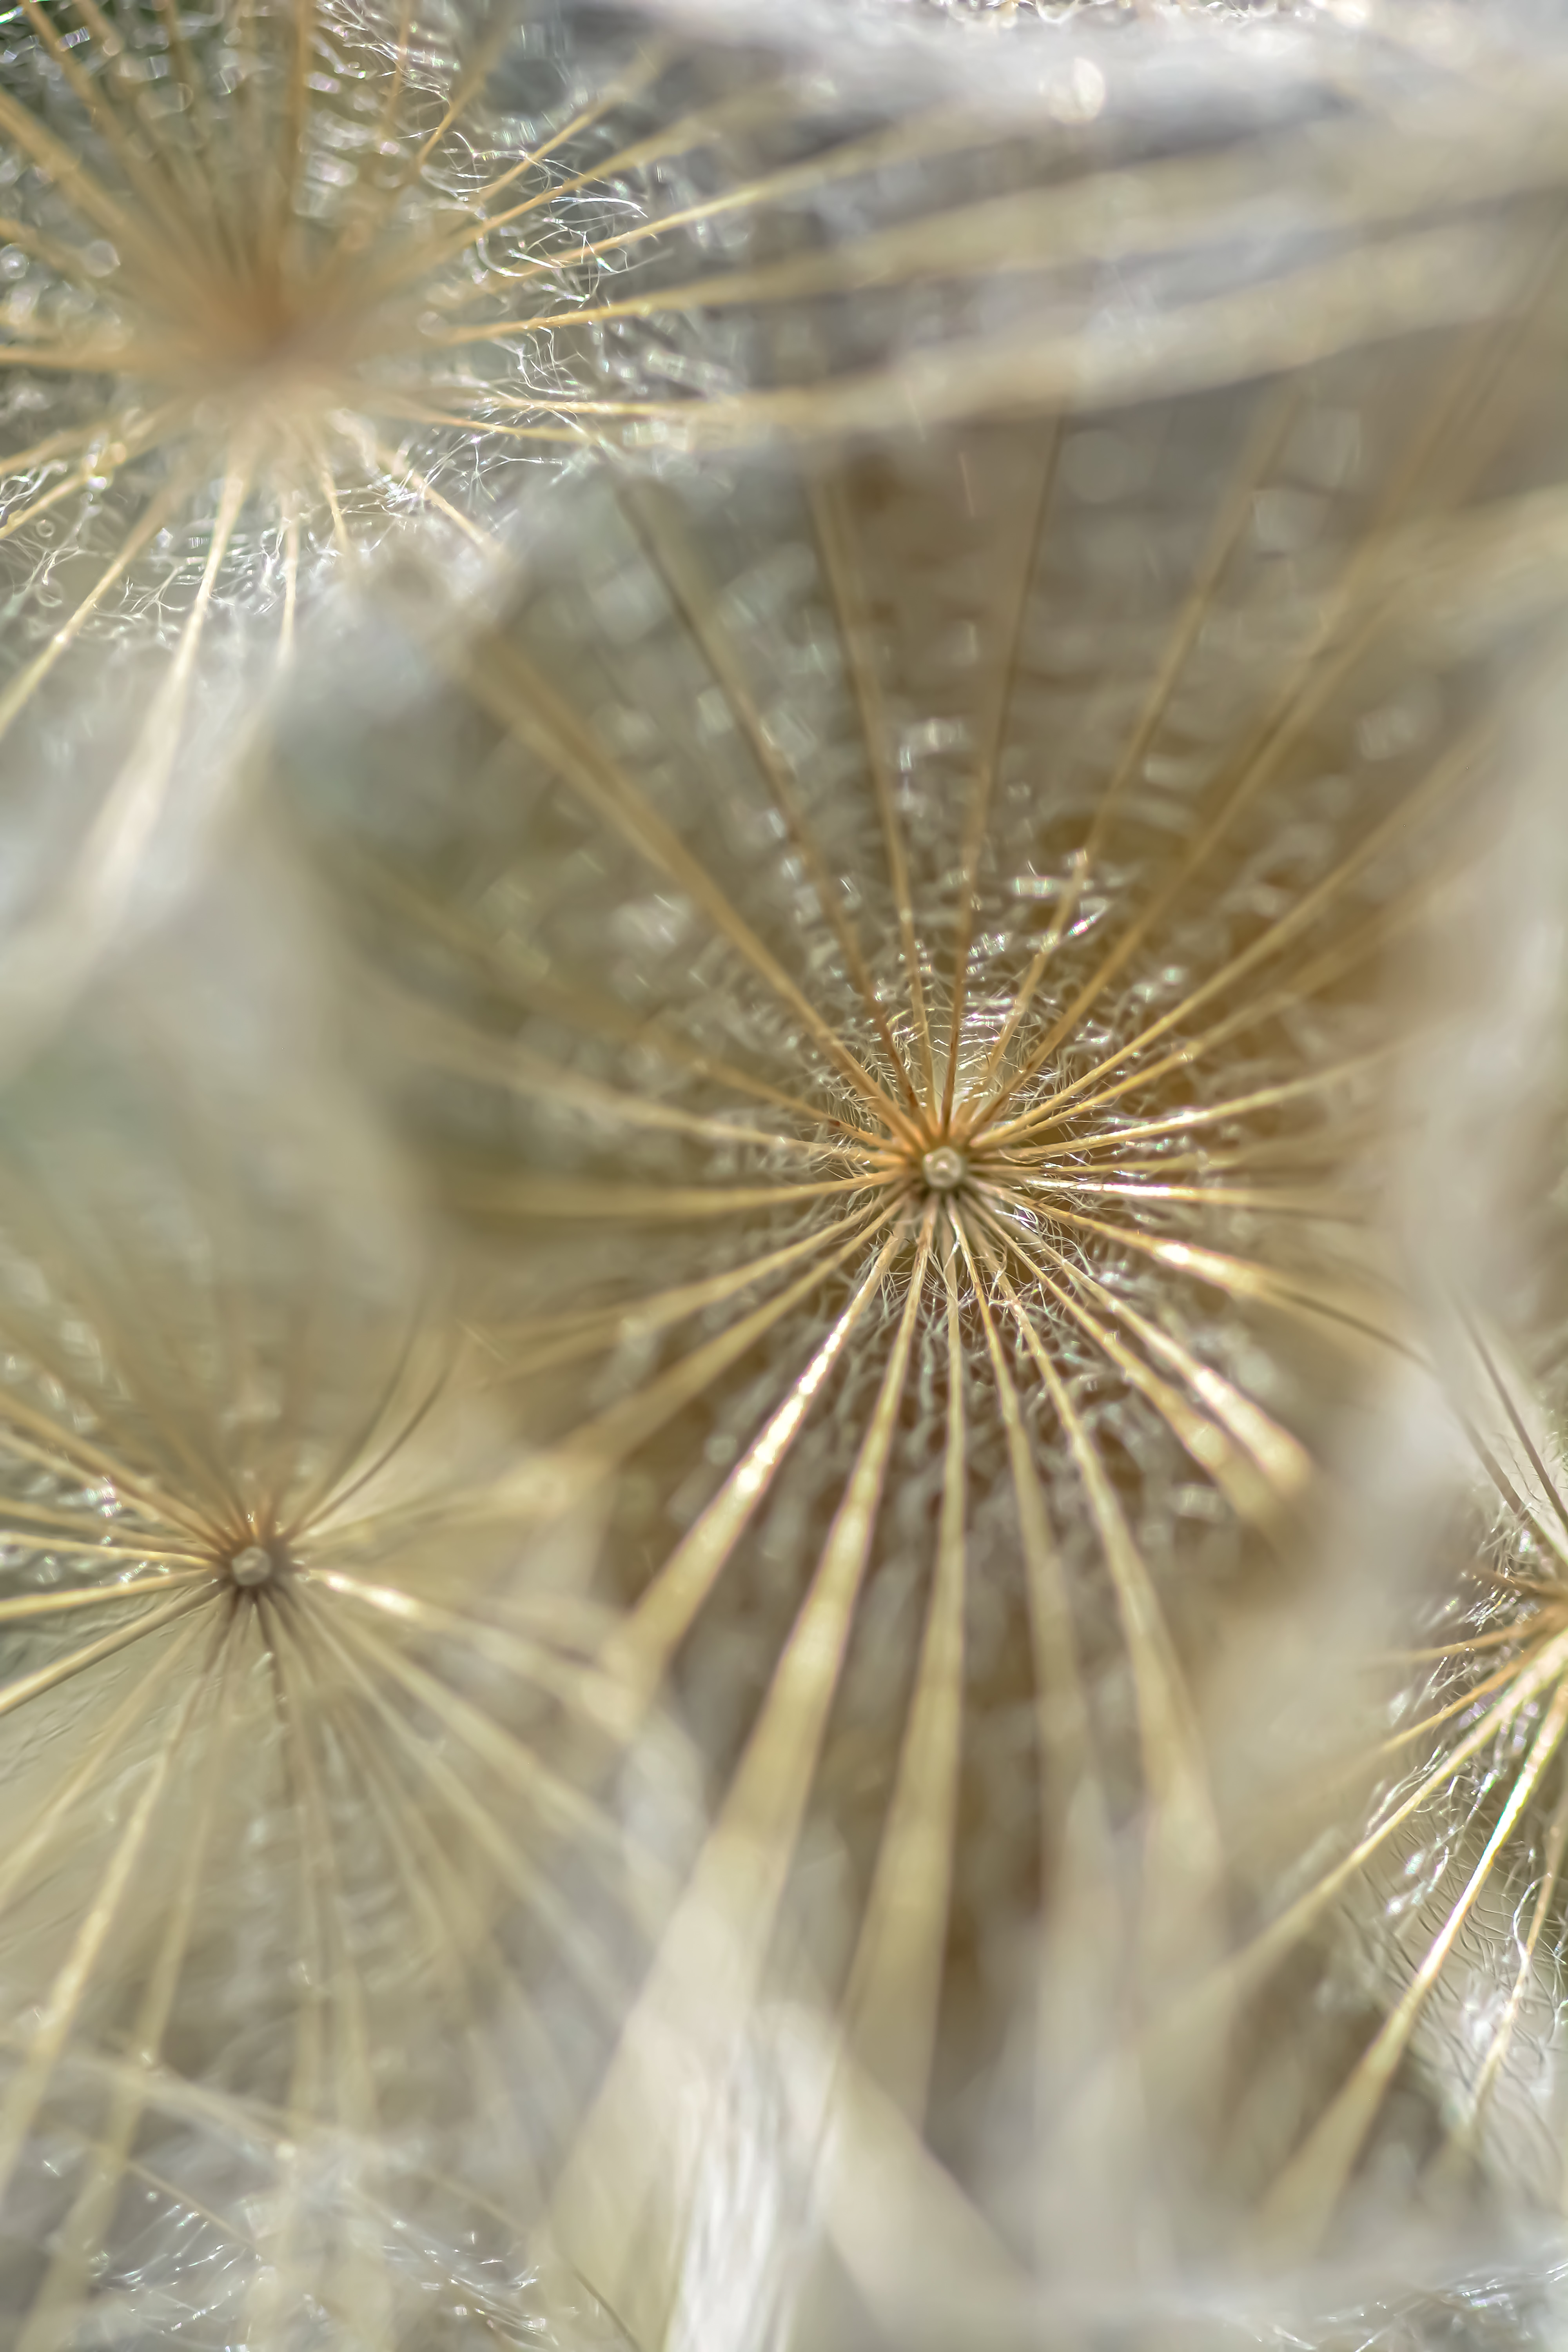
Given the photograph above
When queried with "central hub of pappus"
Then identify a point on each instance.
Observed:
(943, 1168)
(933, 1160)
(256, 1566)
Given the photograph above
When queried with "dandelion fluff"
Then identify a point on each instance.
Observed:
(282, 283)
(311, 1923)
(895, 959)
(884, 952)
(1429, 2074)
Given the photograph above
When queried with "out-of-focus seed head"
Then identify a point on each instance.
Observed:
(330, 1852)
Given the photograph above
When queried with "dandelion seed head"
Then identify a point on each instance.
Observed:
(291, 200)
(277, 1743)
(956, 1287)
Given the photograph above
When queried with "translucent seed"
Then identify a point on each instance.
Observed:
(944, 1169)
